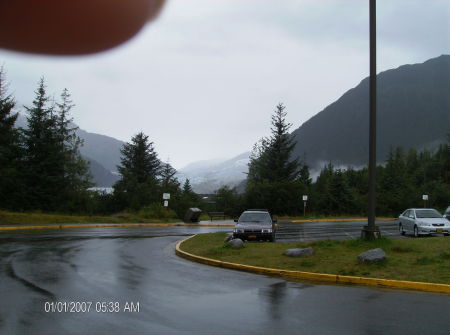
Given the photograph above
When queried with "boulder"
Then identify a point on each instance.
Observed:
(236, 243)
(306, 252)
(372, 256)
(228, 238)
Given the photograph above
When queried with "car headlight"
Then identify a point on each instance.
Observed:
(267, 230)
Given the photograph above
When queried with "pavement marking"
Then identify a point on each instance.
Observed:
(376, 282)
(349, 235)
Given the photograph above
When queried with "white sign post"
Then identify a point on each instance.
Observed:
(305, 199)
(166, 198)
(425, 199)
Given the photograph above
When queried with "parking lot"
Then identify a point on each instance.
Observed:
(119, 265)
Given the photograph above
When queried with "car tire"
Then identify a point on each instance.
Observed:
(416, 231)
(400, 229)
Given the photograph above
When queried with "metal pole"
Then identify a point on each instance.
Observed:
(371, 231)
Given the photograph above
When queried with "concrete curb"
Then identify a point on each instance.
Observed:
(400, 284)
(81, 225)
(340, 220)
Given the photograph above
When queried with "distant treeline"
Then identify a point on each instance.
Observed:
(41, 169)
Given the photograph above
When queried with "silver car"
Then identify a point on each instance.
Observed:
(419, 221)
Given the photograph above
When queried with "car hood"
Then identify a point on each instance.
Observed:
(253, 226)
(433, 220)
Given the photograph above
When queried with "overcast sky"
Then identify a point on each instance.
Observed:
(203, 80)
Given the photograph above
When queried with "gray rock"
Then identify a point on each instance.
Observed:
(372, 256)
(306, 252)
(236, 243)
(228, 238)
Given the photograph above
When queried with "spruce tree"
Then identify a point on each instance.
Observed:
(187, 188)
(188, 199)
(10, 153)
(140, 170)
(74, 170)
(169, 182)
(273, 177)
(279, 164)
(43, 156)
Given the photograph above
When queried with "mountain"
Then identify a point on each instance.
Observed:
(208, 176)
(101, 177)
(413, 111)
(104, 149)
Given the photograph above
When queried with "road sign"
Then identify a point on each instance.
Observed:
(166, 203)
(425, 197)
(166, 196)
(305, 198)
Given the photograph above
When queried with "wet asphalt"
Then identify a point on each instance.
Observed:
(47, 278)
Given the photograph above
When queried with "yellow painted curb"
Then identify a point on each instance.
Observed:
(62, 226)
(340, 220)
(401, 284)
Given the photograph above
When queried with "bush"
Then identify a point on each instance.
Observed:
(156, 211)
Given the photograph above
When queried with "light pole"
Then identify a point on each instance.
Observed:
(371, 231)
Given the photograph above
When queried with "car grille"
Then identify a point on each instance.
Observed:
(252, 230)
(438, 224)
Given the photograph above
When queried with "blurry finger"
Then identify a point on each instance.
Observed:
(72, 27)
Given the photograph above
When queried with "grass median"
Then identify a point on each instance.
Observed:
(423, 259)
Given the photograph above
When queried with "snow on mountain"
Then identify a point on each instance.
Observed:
(208, 176)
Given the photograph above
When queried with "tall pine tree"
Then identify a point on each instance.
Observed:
(42, 154)
(140, 169)
(56, 176)
(74, 170)
(10, 153)
(273, 178)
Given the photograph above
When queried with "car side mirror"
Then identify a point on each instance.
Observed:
(235, 220)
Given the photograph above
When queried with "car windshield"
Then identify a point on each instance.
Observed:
(255, 218)
(427, 213)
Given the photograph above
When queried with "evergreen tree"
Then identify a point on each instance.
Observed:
(278, 164)
(395, 191)
(322, 190)
(55, 175)
(304, 176)
(169, 182)
(256, 161)
(187, 188)
(74, 170)
(10, 153)
(273, 177)
(42, 154)
(140, 170)
(188, 199)
(228, 201)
